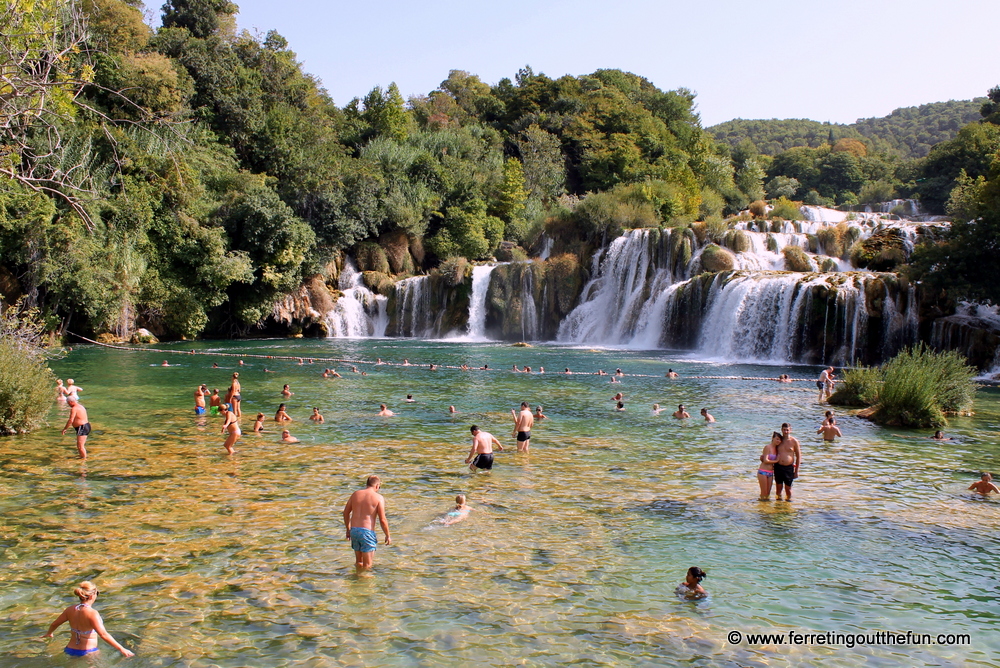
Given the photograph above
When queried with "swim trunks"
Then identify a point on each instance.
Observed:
(769, 474)
(784, 474)
(483, 461)
(199, 410)
(83, 429)
(523, 435)
(363, 540)
(79, 652)
(214, 410)
(819, 385)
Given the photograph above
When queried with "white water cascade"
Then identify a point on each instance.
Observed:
(358, 312)
(477, 302)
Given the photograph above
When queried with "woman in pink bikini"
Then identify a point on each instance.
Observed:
(85, 624)
(765, 474)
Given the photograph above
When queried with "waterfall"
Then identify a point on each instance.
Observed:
(613, 300)
(477, 303)
(358, 312)
(414, 314)
(529, 310)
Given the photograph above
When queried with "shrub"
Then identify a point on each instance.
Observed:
(859, 387)
(758, 208)
(26, 383)
(379, 282)
(796, 259)
(829, 265)
(874, 192)
(715, 258)
(737, 241)
(786, 209)
(921, 385)
(882, 251)
(371, 257)
(834, 239)
(453, 270)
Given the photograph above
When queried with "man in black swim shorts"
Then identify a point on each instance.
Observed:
(80, 423)
(786, 469)
(523, 422)
(481, 454)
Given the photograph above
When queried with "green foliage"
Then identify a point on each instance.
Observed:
(26, 383)
(874, 192)
(454, 270)
(467, 231)
(885, 250)
(783, 187)
(371, 257)
(971, 152)
(859, 386)
(835, 240)
(785, 209)
(758, 208)
(715, 258)
(796, 259)
(921, 385)
(908, 132)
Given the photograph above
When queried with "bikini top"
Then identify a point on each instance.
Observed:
(82, 635)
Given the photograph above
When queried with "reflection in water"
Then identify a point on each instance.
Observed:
(569, 557)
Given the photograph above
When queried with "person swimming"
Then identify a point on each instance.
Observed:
(458, 513)
(691, 587)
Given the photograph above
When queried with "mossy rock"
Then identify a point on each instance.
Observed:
(521, 344)
(796, 259)
(829, 265)
(812, 243)
(883, 251)
(371, 257)
(378, 281)
(737, 241)
(715, 258)
(397, 251)
(772, 243)
(108, 338)
(453, 270)
(143, 336)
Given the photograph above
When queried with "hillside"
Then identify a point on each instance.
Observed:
(908, 132)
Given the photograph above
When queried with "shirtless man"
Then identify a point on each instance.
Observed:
(523, 422)
(708, 416)
(680, 413)
(359, 520)
(410, 399)
(285, 392)
(286, 437)
(786, 468)
(539, 415)
(78, 420)
(199, 399)
(671, 373)
(829, 429)
(481, 454)
(825, 383)
(384, 412)
(985, 485)
(214, 401)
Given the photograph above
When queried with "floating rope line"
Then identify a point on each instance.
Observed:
(297, 358)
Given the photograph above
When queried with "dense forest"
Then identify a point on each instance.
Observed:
(906, 133)
(186, 178)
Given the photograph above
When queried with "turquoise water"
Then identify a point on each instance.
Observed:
(570, 556)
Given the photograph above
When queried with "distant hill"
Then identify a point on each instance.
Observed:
(908, 132)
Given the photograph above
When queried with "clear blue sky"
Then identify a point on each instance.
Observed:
(829, 61)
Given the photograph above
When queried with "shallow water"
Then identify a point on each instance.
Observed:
(570, 556)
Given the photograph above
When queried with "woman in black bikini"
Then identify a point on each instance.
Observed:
(233, 396)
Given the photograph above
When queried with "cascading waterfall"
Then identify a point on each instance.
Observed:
(413, 310)
(477, 303)
(358, 312)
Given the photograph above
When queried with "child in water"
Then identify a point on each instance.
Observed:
(458, 513)
(691, 587)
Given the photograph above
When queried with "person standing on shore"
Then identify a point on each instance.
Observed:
(523, 422)
(81, 424)
(825, 384)
(786, 468)
(359, 520)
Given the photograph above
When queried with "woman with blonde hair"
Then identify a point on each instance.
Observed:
(85, 624)
(234, 396)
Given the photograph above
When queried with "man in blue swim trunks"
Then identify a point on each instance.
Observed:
(359, 520)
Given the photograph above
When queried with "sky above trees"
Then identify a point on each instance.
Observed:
(768, 59)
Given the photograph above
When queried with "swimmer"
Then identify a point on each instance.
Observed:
(384, 412)
(410, 399)
(316, 417)
(234, 395)
(527, 369)
(214, 402)
(364, 373)
(458, 513)
(286, 437)
(165, 363)
(215, 365)
(691, 587)
(258, 423)
(326, 373)
(826, 418)
(464, 367)
(620, 406)
(619, 372)
(241, 362)
(232, 426)
(406, 362)
(514, 368)
(614, 379)
(379, 361)
(568, 372)
(285, 392)
(523, 422)
(680, 413)
(334, 374)
(939, 436)
(985, 485)
(538, 414)
(359, 520)
(541, 369)
(282, 415)
(266, 370)
(451, 409)
(825, 383)
(481, 454)
(708, 416)
(765, 473)
(830, 430)
(72, 390)
(199, 399)
(433, 367)
(617, 397)
(354, 369)
(85, 625)
(301, 362)
(656, 409)
(60, 390)
(671, 373)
